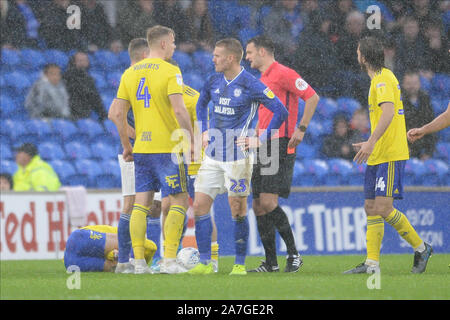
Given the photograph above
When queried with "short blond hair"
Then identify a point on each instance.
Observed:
(156, 33)
(233, 46)
(135, 47)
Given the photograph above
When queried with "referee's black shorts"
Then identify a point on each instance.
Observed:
(280, 182)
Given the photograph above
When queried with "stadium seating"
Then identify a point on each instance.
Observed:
(42, 130)
(203, 62)
(111, 177)
(316, 171)
(306, 151)
(298, 179)
(440, 86)
(103, 151)
(112, 135)
(10, 59)
(348, 105)
(57, 57)
(326, 108)
(436, 174)
(184, 61)
(90, 170)
(33, 60)
(92, 129)
(77, 151)
(356, 176)
(414, 172)
(18, 81)
(67, 130)
(107, 60)
(6, 152)
(443, 151)
(340, 171)
(66, 173)
(193, 80)
(7, 166)
(51, 151)
(99, 78)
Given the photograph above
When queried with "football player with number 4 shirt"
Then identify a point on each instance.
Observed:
(385, 152)
(268, 186)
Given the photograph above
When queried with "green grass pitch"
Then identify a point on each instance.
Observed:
(320, 278)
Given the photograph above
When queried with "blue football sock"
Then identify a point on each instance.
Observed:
(124, 238)
(241, 230)
(203, 231)
(154, 233)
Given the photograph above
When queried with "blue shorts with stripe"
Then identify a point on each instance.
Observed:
(384, 180)
(160, 171)
(85, 249)
(190, 187)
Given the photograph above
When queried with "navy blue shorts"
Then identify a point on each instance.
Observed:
(85, 249)
(384, 180)
(160, 171)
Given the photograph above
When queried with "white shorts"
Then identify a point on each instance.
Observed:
(217, 177)
(128, 179)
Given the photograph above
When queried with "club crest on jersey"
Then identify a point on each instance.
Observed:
(269, 94)
(301, 84)
(237, 92)
(179, 79)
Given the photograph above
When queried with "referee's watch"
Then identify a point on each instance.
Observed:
(302, 127)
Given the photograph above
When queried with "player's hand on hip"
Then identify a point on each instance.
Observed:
(127, 155)
(365, 150)
(248, 142)
(296, 139)
(414, 134)
(205, 139)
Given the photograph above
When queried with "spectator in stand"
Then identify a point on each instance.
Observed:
(359, 125)
(317, 51)
(307, 8)
(284, 24)
(54, 29)
(48, 97)
(437, 49)
(418, 112)
(135, 18)
(390, 53)
(96, 30)
(173, 16)
(6, 182)
(33, 174)
(340, 9)
(337, 144)
(116, 46)
(425, 11)
(198, 27)
(4, 31)
(20, 23)
(83, 95)
(410, 47)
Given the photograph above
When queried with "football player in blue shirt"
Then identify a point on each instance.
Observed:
(227, 167)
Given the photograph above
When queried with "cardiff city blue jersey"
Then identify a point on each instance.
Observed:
(234, 112)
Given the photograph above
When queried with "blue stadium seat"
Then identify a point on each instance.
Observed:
(7, 166)
(348, 105)
(42, 130)
(340, 171)
(298, 176)
(317, 170)
(203, 62)
(443, 151)
(124, 59)
(93, 129)
(77, 151)
(18, 81)
(107, 60)
(8, 107)
(414, 172)
(306, 151)
(5, 152)
(99, 78)
(33, 60)
(91, 170)
(110, 178)
(57, 57)
(316, 131)
(10, 59)
(112, 135)
(356, 177)
(103, 151)
(439, 105)
(17, 131)
(440, 86)
(326, 108)
(193, 80)
(65, 171)
(436, 174)
(51, 151)
(444, 135)
(113, 79)
(184, 61)
(66, 130)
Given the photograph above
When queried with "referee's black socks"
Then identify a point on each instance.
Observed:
(280, 220)
(266, 230)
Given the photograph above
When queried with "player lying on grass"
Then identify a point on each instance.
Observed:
(95, 248)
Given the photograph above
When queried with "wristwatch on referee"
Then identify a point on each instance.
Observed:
(302, 127)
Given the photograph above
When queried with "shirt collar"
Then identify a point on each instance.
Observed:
(270, 69)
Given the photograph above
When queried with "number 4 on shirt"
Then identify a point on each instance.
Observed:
(143, 96)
